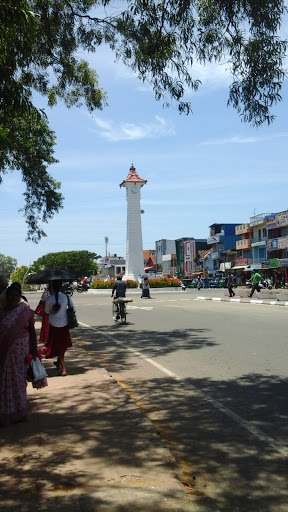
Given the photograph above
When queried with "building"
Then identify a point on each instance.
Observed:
(111, 266)
(164, 248)
(259, 238)
(223, 240)
(134, 244)
(188, 257)
(243, 246)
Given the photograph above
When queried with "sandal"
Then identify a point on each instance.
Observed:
(63, 374)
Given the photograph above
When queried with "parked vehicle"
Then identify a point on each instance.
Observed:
(67, 288)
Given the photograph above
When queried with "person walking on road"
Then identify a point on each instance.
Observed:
(256, 278)
(146, 288)
(230, 285)
(59, 338)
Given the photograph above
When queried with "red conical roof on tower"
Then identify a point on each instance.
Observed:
(133, 177)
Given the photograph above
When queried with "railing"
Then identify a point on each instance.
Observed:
(242, 228)
(258, 239)
(245, 243)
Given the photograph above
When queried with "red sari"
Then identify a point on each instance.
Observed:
(14, 347)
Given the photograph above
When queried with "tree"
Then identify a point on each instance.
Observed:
(79, 263)
(20, 273)
(7, 265)
(40, 44)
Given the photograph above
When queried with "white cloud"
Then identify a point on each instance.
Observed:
(115, 132)
(237, 139)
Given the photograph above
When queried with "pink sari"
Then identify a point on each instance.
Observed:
(14, 347)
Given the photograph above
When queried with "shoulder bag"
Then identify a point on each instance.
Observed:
(71, 314)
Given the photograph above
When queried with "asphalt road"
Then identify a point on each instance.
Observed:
(212, 377)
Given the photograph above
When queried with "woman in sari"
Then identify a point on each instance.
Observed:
(17, 340)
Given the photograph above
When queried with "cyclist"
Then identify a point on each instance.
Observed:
(120, 291)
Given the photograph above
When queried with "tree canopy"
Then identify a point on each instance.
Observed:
(40, 46)
(7, 265)
(79, 263)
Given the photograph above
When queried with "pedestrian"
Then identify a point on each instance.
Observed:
(230, 285)
(40, 311)
(17, 340)
(146, 288)
(59, 339)
(256, 278)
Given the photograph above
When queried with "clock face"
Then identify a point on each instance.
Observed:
(134, 189)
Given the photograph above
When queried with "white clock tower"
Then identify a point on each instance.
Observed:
(134, 245)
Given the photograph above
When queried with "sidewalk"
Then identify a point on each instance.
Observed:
(86, 446)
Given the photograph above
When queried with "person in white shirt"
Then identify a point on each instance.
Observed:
(59, 338)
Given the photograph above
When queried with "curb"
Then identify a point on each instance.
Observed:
(244, 301)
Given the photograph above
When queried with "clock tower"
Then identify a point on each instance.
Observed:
(134, 245)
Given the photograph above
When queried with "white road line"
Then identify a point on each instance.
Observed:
(215, 403)
(216, 299)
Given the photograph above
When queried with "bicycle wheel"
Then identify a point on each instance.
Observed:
(123, 314)
(114, 312)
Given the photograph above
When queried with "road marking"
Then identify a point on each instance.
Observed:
(215, 403)
(148, 308)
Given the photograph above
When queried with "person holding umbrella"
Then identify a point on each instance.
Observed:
(59, 339)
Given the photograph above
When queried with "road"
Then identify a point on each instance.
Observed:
(212, 377)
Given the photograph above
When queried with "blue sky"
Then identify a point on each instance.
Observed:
(200, 169)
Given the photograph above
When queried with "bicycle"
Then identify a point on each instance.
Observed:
(119, 309)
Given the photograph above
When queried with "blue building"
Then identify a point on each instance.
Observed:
(223, 240)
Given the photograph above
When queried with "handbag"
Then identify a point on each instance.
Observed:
(40, 310)
(36, 370)
(71, 314)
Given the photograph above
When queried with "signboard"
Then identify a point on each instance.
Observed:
(272, 244)
(283, 262)
(270, 220)
(241, 261)
(283, 242)
(214, 239)
(282, 219)
(265, 264)
(189, 256)
(273, 262)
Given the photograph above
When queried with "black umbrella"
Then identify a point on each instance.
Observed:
(43, 276)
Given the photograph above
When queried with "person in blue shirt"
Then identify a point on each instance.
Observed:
(119, 288)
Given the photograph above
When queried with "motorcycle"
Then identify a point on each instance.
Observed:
(67, 288)
(266, 283)
(82, 287)
(183, 286)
